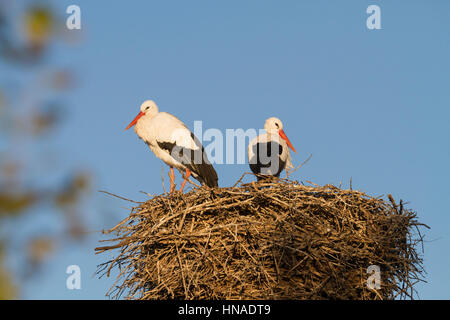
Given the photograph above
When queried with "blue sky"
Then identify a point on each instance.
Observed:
(369, 105)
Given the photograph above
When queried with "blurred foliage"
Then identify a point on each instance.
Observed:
(38, 22)
(38, 250)
(44, 119)
(8, 289)
(27, 113)
(72, 190)
(12, 204)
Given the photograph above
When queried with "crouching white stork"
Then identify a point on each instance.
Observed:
(268, 153)
(172, 142)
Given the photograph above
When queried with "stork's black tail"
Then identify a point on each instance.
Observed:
(207, 175)
(197, 161)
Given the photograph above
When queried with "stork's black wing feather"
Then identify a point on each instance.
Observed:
(195, 160)
(266, 162)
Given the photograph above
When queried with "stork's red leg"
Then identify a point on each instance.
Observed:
(172, 180)
(188, 173)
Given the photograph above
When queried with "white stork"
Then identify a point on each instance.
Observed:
(267, 153)
(172, 142)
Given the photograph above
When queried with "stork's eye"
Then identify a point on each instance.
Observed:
(147, 108)
(277, 125)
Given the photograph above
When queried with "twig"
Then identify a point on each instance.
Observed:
(288, 173)
(114, 195)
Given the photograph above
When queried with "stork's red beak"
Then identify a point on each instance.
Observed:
(135, 120)
(283, 136)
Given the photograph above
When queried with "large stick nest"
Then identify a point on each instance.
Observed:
(275, 239)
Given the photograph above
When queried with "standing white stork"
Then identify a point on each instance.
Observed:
(267, 153)
(172, 142)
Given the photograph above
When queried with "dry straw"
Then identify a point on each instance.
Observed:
(275, 239)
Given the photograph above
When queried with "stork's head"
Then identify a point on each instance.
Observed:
(275, 126)
(148, 108)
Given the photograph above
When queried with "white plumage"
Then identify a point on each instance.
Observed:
(172, 142)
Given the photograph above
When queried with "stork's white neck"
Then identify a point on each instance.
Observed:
(272, 131)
